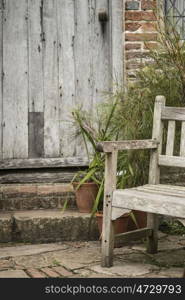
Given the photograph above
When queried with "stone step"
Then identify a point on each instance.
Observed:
(36, 196)
(46, 226)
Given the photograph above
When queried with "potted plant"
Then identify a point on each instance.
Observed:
(86, 188)
(94, 131)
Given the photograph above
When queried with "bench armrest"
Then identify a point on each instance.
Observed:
(127, 145)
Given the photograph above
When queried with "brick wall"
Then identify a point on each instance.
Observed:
(140, 33)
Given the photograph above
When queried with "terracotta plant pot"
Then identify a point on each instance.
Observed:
(85, 196)
(141, 218)
(120, 226)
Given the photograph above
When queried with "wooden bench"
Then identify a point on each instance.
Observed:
(153, 198)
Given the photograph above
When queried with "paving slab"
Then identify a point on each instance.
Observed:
(170, 258)
(6, 264)
(13, 274)
(125, 270)
(83, 260)
(30, 249)
(172, 272)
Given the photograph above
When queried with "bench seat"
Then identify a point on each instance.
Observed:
(158, 199)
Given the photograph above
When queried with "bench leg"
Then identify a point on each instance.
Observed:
(152, 241)
(107, 243)
(108, 227)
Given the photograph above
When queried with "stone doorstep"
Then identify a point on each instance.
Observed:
(45, 226)
(36, 196)
(38, 188)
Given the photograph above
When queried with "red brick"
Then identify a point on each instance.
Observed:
(133, 65)
(30, 189)
(18, 189)
(54, 189)
(148, 4)
(140, 16)
(9, 189)
(62, 271)
(50, 272)
(140, 36)
(132, 46)
(149, 26)
(131, 55)
(35, 273)
(132, 26)
(150, 45)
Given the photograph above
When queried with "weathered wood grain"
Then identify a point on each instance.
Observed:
(172, 161)
(83, 61)
(51, 92)
(163, 190)
(1, 78)
(35, 37)
(108, 230)
(182, 141)
(150, 202)
(173, 113)
(15, 84)
(66, 36)
(154, 170)
(118, 212)
(36, 134)
(127, 145)
(36, 177)
(167, 186)
(116, 33)
(101, 62)
(170, 138)
(56, 54)
(43, 163)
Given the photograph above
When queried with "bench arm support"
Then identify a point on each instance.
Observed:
(127, 145)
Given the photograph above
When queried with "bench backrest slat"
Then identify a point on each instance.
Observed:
(170, 138)
(182, 143)
(173, 113)
(162, 114)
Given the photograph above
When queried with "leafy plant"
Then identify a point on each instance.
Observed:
(163, 74)
(94, 130)
(172, 227)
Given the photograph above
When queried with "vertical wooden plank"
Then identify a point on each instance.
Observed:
(182, 143)
(66, 86)
(83, 61)
(50, 69)
(35, 73)
(108, 230)
(36, 134)
(170, 138)
(100, 48)
(116, 42)
(154, 170)
(1, 76)
(15, 84)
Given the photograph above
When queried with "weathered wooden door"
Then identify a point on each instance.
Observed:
(54, 55)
